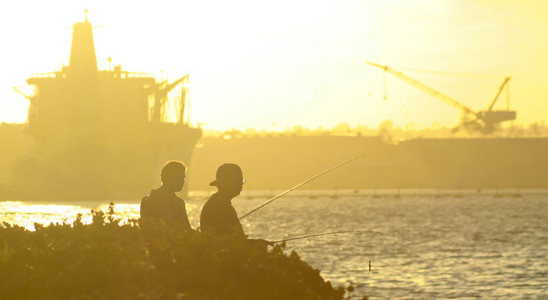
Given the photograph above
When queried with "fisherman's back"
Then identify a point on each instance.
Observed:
(218, 218)
(165, 206)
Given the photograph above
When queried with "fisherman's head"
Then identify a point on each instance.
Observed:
(173, 175)
(229, 179)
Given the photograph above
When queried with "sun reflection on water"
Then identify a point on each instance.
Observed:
(27, 214)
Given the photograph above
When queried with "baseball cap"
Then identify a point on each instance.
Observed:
(227, 171)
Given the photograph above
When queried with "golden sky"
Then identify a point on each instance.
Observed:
(273, 65)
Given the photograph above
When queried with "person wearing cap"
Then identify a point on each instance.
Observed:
(218, 217)
(162, 203)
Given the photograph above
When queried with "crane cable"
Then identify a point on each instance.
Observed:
(484, 76)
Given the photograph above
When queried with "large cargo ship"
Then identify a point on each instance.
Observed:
(99, 134)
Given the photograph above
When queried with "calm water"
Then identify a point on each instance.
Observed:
(469, 247)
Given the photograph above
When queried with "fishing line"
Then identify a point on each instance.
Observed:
(247, 213)
(339, 232)
(295, 247)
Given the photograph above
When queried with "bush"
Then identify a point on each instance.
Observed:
(108, 260)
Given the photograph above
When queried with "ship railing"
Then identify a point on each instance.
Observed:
(46, 75)
(125, 74)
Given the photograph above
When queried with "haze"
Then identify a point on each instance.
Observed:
(285, 63)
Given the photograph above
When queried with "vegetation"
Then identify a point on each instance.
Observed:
(136, 260)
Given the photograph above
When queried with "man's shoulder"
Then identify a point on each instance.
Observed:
(145, 207)
(155, 194)
(213, 198)
(212, 204)
(210, 201)
(160, 194)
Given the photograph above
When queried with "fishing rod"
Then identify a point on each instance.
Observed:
(338, 232)
(247, 213)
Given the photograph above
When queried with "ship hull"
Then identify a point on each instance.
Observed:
(125, 170)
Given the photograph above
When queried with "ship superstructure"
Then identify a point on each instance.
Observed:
(100, 134)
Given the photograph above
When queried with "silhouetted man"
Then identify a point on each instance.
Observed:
(218, 217)
(163, 203)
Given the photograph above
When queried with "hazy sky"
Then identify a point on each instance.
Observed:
(272, 65)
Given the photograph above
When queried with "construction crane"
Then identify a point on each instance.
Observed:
(484, 121)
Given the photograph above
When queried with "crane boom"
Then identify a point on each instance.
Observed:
(162, 92)
(24, 95)
(170, 86)
(425, 88)
(160, 96)
(504, 83)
